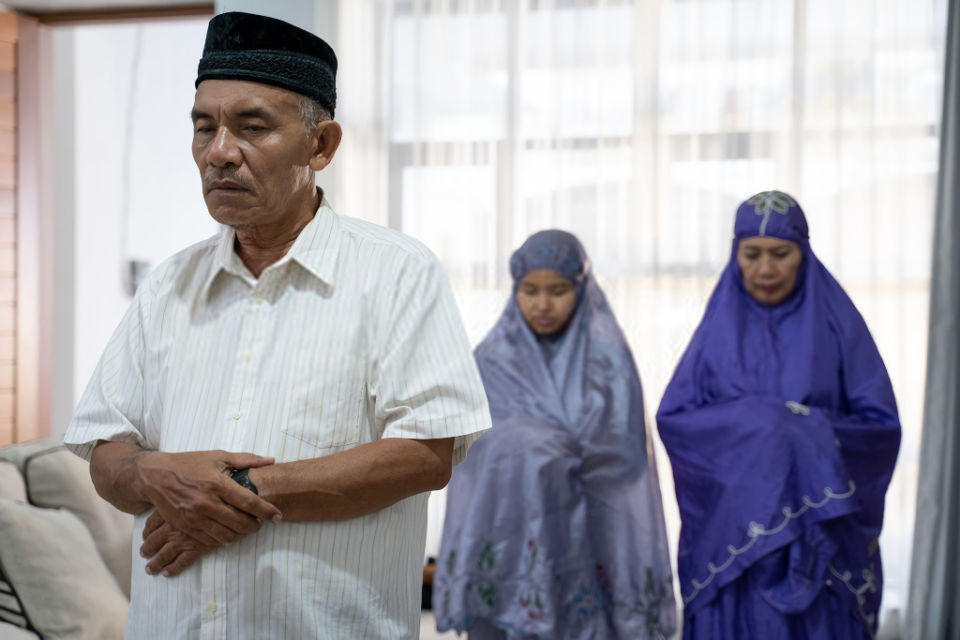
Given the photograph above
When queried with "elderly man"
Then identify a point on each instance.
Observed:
(329, 351)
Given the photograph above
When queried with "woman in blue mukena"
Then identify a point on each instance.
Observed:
(554, 524)
(782, 430)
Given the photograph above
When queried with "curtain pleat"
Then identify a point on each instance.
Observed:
(934, 604)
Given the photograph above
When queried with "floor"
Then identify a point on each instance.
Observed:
(428, 629)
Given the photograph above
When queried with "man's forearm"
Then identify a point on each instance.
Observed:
(345, 485)
(113, 468)
(356, 482)
(192, 490)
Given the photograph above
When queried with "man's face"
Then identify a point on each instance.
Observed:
(252, 150)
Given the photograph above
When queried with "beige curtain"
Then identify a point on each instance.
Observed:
(639, 125)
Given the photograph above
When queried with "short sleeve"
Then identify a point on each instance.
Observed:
(425, 381)
(111, 407)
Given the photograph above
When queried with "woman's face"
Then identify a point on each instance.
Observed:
(769, 267)
(546, 300)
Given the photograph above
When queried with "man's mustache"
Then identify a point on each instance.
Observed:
(217, 178)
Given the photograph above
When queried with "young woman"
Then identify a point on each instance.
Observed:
(782, 431)
(554, 524)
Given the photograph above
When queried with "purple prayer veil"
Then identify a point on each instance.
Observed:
(554, 525)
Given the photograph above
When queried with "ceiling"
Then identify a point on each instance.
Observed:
(53, 6)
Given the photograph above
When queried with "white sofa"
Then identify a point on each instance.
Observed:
(64, 551)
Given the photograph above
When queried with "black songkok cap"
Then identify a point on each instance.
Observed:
(244, 46)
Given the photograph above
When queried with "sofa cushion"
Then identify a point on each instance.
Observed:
(11, 483)
(53, 567)
(57, 478)
(11, 632)
(18, 453)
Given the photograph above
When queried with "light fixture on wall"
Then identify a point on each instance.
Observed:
(134, 273)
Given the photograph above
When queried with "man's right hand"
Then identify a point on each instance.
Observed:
(194, 493)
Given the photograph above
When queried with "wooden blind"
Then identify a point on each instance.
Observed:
(8, 228)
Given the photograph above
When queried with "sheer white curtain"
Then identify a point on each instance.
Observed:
(639, 125)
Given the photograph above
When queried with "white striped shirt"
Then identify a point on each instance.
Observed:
(351, 337)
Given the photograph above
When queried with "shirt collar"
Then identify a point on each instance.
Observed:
(315, 249)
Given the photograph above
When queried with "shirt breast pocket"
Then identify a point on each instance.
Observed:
(327, 406)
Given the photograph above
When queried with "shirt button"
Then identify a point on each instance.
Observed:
(237, 415)
(247, 357)
(212, 607)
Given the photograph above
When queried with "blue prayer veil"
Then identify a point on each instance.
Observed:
(782, 431)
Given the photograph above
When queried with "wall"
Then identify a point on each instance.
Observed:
(62, 190)
(134, 193)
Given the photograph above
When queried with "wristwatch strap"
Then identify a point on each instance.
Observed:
(242, 478)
